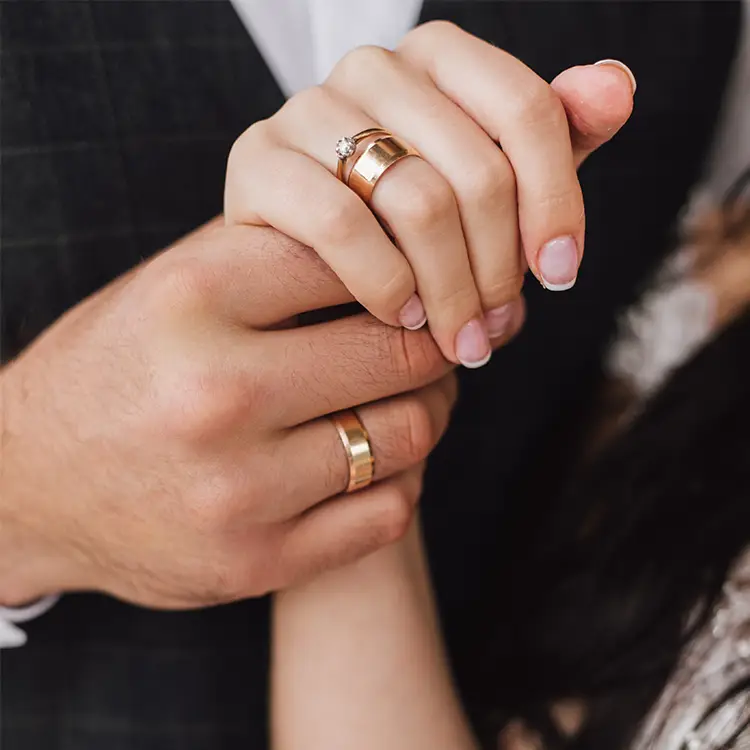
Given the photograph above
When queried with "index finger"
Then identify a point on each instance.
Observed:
(323, 368)
(256, 276)
(319, 369)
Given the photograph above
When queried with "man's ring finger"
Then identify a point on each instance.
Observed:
(356, 443)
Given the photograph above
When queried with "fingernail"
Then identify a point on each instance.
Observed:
(498, 320)
(623, 67)
(412, 315)
(558, 264)
(473, 345)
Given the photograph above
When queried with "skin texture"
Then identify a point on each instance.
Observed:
(161, 443)
(166, 441)
(357, 657)
(467, 217)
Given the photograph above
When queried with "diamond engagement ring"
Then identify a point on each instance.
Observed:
(370, 166)
(347, 146)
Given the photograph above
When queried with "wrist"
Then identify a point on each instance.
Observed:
(27, 574)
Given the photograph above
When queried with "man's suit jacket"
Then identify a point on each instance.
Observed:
(117, 118)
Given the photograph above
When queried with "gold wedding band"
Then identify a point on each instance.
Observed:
(356, 443)
(347, 146)
(379, 156)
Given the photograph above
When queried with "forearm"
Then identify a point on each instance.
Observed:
(358, 661)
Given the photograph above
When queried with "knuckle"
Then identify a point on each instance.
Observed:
(492, 184)
(185, 282)
(394, 293)
(415, 357)
(418, 431)
(501, 290)
(430, 199)
(394, 515)
(431, 33)
(201, 406)
(248, 154)
(251, 141)
(456, 300)
(540, 106)
(340, 220)
(309, 101)
(260, 131)
(362, 61)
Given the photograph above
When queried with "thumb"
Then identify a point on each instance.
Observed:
(598, 100)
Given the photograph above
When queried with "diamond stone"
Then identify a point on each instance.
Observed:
(345, 147)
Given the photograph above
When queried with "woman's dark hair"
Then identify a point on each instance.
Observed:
(601, 583)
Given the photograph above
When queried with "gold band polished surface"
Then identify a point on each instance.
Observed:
(372, 164)
(354, 141)
(356, 443)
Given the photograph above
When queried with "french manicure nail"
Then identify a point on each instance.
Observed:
(499, 320)
(622, 67)
(412, 315)
(473, 344)
(558, 264)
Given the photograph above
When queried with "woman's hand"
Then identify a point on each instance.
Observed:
(468, 215)
(358, 659)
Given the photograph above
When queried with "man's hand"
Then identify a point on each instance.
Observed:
(166, 441)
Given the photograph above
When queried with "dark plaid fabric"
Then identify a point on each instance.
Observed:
(117, 118)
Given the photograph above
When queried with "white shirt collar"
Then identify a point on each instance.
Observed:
(301, 40)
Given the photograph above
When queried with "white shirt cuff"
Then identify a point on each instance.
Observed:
(11, 636)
